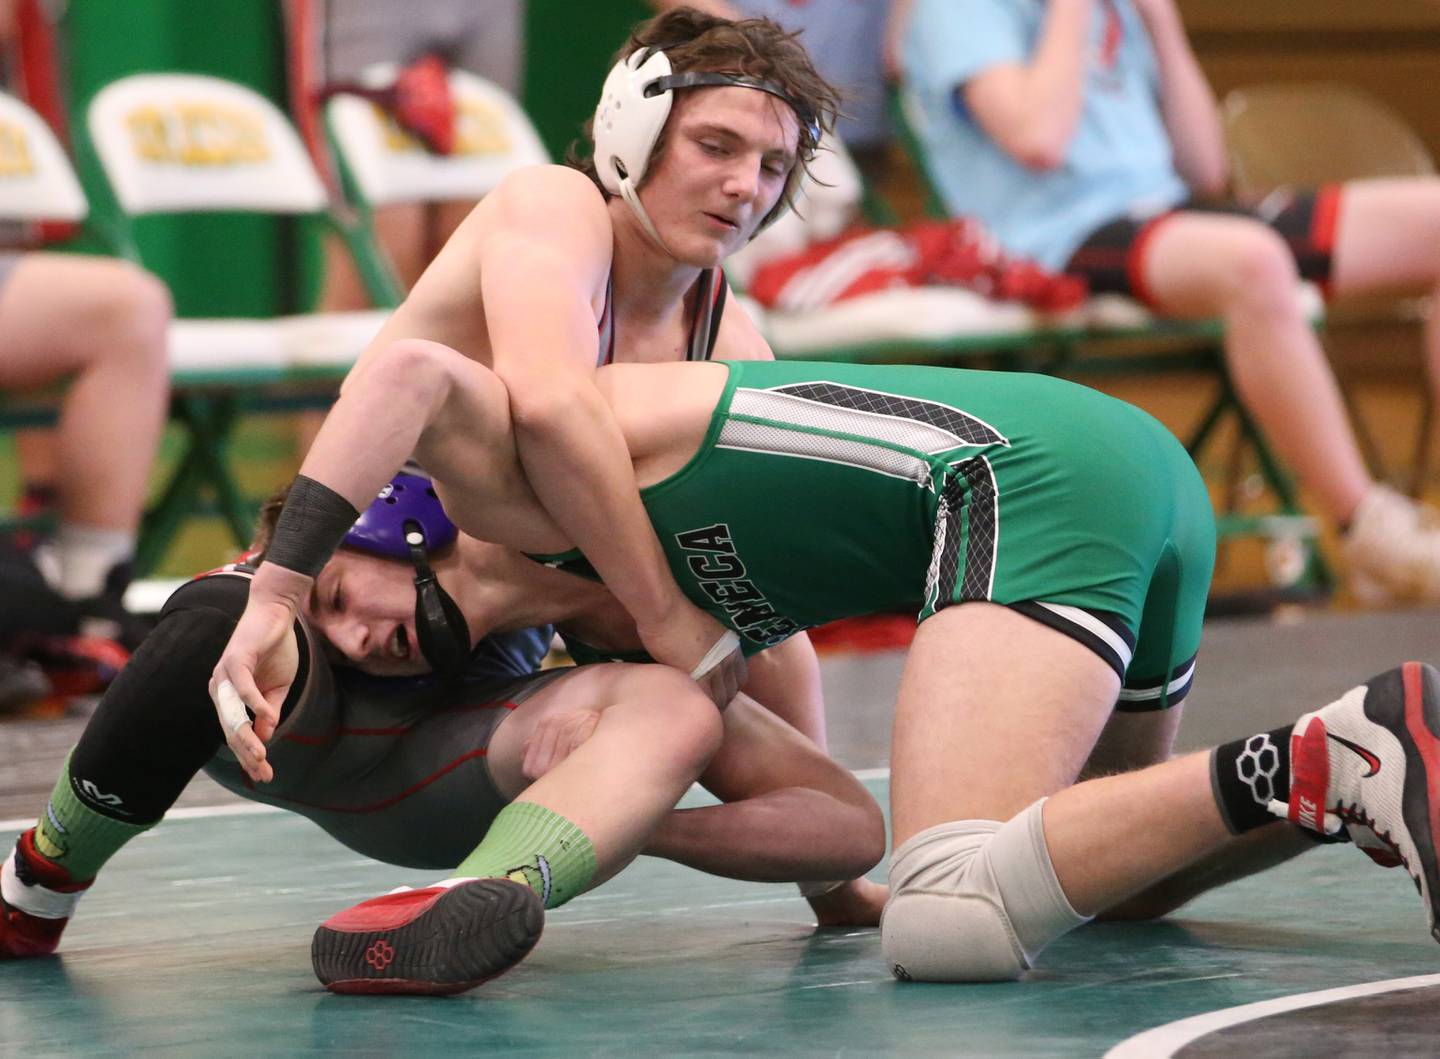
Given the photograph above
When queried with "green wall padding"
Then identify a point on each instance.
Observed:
(216, 264)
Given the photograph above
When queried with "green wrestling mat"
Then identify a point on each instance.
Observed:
(195, 941)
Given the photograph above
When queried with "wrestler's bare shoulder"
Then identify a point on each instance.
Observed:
(542, 196)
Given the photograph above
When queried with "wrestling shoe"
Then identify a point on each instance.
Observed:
(37, 898)
(1370, 763)
(433, 941)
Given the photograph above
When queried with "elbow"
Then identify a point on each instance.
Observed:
(412, 373)
(1041, 150)
(1037, 143)
(1212, 183)
(539, 403)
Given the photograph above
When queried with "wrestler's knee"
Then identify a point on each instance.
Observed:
(973, 901)
(675, 715)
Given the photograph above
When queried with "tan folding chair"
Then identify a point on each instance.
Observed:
(1307, 134)
(1314, 133)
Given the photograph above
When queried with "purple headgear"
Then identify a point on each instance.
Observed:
(380, 529)
(406, 522)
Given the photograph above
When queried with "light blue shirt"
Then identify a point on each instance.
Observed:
(1119, 161)
(844, 39)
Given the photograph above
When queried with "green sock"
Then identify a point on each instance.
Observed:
(530, 844)
(75, 836)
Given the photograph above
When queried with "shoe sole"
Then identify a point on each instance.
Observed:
(467, 935)
(1408, 702)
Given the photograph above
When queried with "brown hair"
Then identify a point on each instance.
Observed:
(752, 47)
(265, 521)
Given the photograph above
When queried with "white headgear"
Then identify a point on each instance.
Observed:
(634, 104)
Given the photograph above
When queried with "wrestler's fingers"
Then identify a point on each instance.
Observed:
(723, 681)
(537, 751)
(581, 730)
(234, 692)
(229, 700)
(240, 735)
(249, 751)
(551, 746)
(267, 719)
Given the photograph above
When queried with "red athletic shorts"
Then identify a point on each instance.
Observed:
(1112, 257)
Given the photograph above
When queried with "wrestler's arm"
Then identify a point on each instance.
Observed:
(546, 249)
(789, 812)
(419, 397)
(786, 680)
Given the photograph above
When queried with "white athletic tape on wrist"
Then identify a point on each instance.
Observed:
(231, 706)
(812, 890)
(722, 650)
(37, 900)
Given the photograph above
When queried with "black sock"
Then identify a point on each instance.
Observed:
(1247, 774)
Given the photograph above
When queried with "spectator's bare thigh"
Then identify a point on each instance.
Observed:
(53, 309)
(1197, 263)
(1388, 236)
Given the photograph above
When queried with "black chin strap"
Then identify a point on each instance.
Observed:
(439, 625)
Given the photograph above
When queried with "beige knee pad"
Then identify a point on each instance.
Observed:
(973, 901)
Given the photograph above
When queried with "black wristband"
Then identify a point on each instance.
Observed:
(311, 526)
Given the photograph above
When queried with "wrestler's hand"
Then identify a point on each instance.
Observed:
(554, 739)
(858, 903)
(684, 636)
(254, 675)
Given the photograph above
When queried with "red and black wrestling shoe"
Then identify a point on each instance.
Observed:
(1370, 763)
(434, 941)
(37, 899)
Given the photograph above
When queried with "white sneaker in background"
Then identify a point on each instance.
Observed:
(1392, 550)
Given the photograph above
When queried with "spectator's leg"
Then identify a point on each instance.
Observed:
(102, 324)
(35, 452)
(1199, 265)
(1388, 238)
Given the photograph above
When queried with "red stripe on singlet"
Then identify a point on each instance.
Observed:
(375, 807)
(321, 740)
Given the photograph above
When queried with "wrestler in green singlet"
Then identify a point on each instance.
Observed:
(823, 491)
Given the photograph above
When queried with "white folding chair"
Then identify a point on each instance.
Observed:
(382, 165)
(36, 180)
(185, 144)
